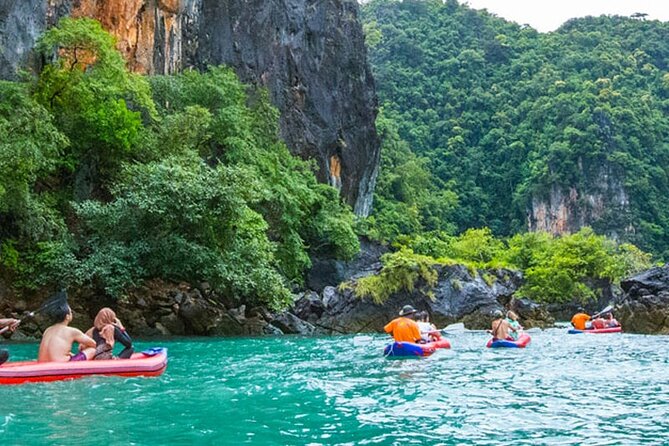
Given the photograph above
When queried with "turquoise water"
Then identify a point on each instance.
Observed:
(562, 389)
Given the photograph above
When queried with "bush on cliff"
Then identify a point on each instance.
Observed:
(555, 269)
(30, 145)
(302, 215)
(559, 269)
(183, 220)
(402, 271)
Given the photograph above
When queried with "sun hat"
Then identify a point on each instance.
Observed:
(407, 309)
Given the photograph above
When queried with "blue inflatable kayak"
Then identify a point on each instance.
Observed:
(522, 342)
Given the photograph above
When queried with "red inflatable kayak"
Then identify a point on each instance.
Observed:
(404, 349)
(150, 363)
(597, 330)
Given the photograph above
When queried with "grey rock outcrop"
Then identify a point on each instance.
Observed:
(310, 54)
(327, 272)
(459, 296)
(644, 308)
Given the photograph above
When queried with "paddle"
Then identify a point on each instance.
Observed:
(605, 310)
(55, 300)
(361, 340)
(454, 328)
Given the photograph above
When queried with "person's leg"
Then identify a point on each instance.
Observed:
(126, 353)
(89, 352)
(4, 356)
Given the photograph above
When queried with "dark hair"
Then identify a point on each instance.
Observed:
(424, 315)
(60, 313)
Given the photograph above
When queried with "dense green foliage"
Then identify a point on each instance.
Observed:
(108, 178)
(555, 269)
(402, 270)
(408, 198)
(497, 115)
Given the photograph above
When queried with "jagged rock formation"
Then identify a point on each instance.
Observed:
(310, 54)
(645, 306)
(459, 296)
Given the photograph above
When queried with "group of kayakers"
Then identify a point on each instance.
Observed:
(584, 321)
(414, 326)
(97, 343)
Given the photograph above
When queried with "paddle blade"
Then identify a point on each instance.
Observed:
(605, 310)
(55, 305)
(360, 341)
(454, 328)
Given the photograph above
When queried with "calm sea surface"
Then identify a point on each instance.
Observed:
(562, 389)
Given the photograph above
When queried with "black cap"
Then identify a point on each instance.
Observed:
(407, 309)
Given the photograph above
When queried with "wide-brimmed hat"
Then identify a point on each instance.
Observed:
(407, 309)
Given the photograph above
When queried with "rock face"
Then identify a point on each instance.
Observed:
(161, 308)
(459, 296)
(327, 272)
(563, 211)
(310, 54)
(644, 308)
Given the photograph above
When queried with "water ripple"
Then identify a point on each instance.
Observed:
(562, 389)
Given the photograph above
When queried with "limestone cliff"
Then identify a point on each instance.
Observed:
(601, 202)
(310, 54)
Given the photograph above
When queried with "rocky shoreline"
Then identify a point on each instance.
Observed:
(160, 308)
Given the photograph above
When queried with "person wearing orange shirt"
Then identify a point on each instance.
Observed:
(404, 328)
(579, 319)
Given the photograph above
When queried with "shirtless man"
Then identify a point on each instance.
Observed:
(500, 327)
(57, 340)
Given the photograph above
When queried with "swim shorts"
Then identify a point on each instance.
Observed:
(78, 357)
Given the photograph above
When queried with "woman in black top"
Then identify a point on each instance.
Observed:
(106, 331)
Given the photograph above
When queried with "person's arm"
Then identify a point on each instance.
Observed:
(389, 327)
(9, 322)
(82, 339)
(122, 336)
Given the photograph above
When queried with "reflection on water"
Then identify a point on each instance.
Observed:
(562, 389)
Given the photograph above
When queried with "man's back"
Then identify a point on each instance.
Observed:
(579, 320)
(56, 343)
(403, 330)
(500, 329)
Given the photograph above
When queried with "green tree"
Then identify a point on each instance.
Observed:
(95, 101)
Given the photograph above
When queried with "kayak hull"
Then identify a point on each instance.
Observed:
(32, 371)
(409, 349)
(597, 331)
(522, 342)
